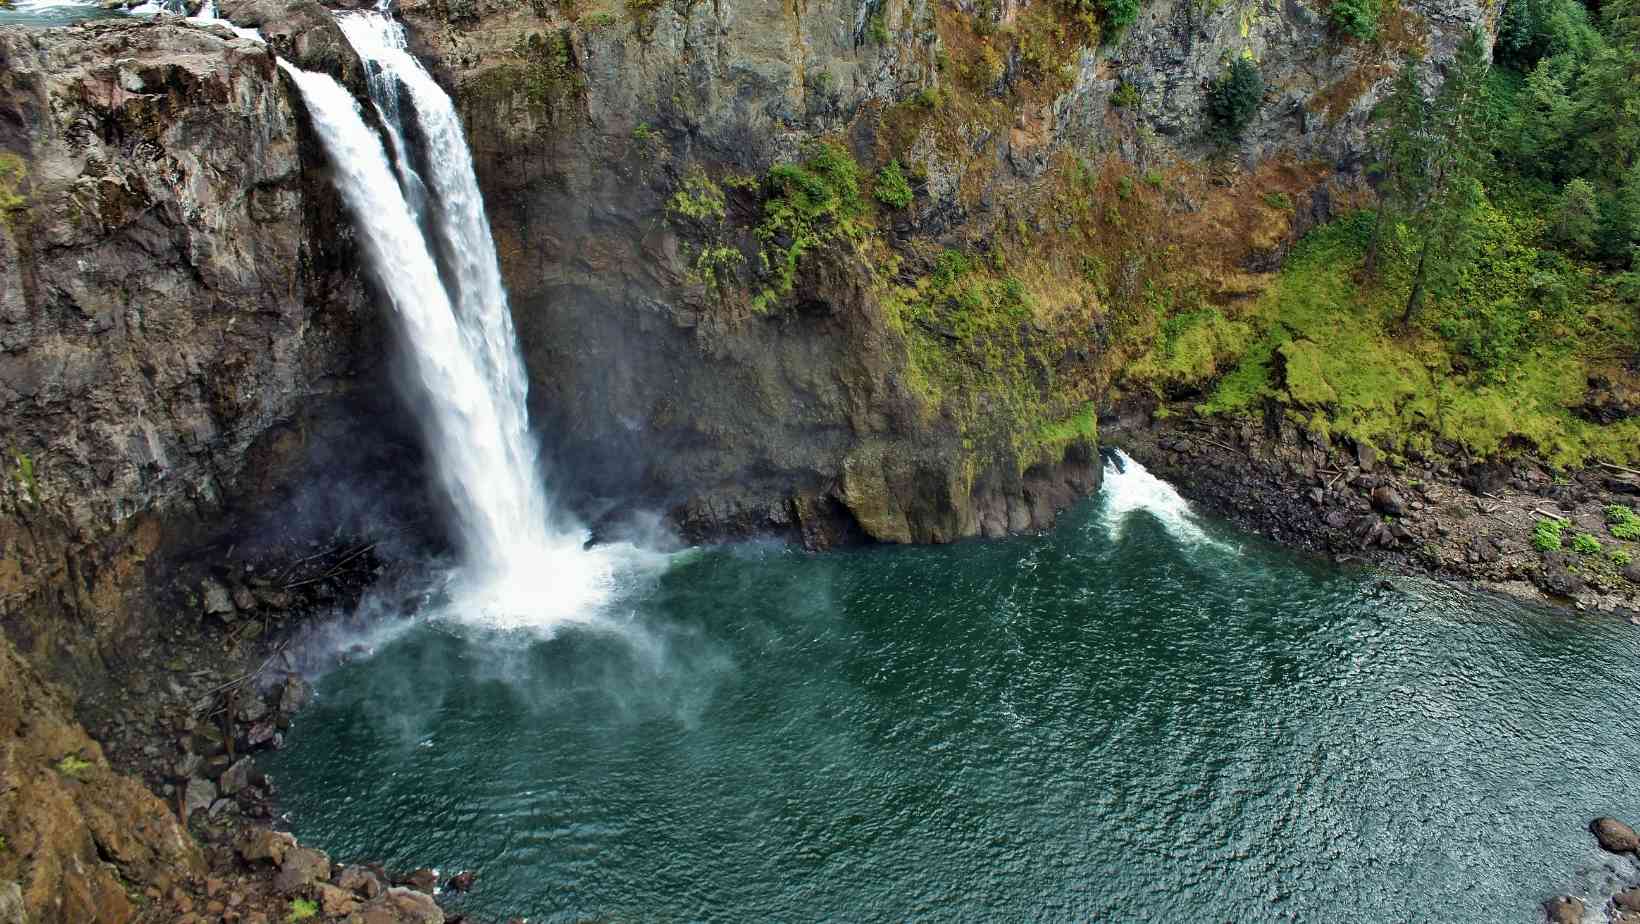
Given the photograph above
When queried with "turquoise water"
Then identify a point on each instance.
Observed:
(1141, 716)
(44, 13)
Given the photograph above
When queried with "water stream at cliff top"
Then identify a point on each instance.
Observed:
(1140, 716)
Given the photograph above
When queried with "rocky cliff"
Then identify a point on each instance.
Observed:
(858, 268)
(181, 328)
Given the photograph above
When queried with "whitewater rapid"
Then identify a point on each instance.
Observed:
(1128, 489)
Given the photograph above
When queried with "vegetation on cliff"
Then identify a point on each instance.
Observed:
(1488, 300)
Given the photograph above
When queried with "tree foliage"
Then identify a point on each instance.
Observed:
(1233, 100)
(1356, 18)
(1433, 157)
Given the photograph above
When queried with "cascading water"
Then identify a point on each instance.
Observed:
(518, 569)
(1128, 489)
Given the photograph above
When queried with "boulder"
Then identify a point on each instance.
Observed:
(214, 599)
(422, 880)
(236, 777)
(253, 709)
(1386, 501)
(1557, 577)
(258, 844)
(293, 696)
(462, 881)
(1564, 910)
(1614, 835)
(302, 867)
(198, 796)
(414, 907)
(1628, 899)
(11, 903)
(360, 881)
(335, 901)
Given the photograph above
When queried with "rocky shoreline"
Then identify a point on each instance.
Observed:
(1471, 521)
(189, 709)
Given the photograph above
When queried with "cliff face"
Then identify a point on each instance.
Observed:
(692, 343)
(179, 318)
(840, 271)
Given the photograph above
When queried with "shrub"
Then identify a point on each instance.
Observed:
(806, 204)
(891, 188)
(929, 98)
(1619, 557)
(301, 909)
(1233, 100)
(877, 29)
(1357, 19)
(1622, 522)
(1118, 14)
(700, 199)
(1546, 535)
(1585, 544)
(1126, 96)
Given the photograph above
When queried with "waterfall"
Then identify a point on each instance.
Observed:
(518, 569)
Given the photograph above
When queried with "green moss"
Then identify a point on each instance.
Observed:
(1191, 348)
(698, 199)
(25, 477)
(301, 909)
(73, 765)
(1082, 425)
(807, 203)
(1125, 96)
(1333, 352)
(977, 358)
(717, 267)
(12, 174)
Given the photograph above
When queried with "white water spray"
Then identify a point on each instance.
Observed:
(1129, 489)
(518, 571)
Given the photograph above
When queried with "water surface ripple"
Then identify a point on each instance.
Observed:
(1137, 717)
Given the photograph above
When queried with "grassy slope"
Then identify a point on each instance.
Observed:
(1497, 369)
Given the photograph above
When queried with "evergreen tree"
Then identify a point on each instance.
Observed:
(1435, 155)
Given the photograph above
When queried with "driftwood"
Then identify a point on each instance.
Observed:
(232, 687)
(334, 569)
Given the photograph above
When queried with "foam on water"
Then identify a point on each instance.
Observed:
(1129, 489)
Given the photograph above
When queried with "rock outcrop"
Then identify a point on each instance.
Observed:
(81, 842)
(181, 327)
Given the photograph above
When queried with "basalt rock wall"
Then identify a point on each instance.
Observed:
(185, 345)
(671, 367)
